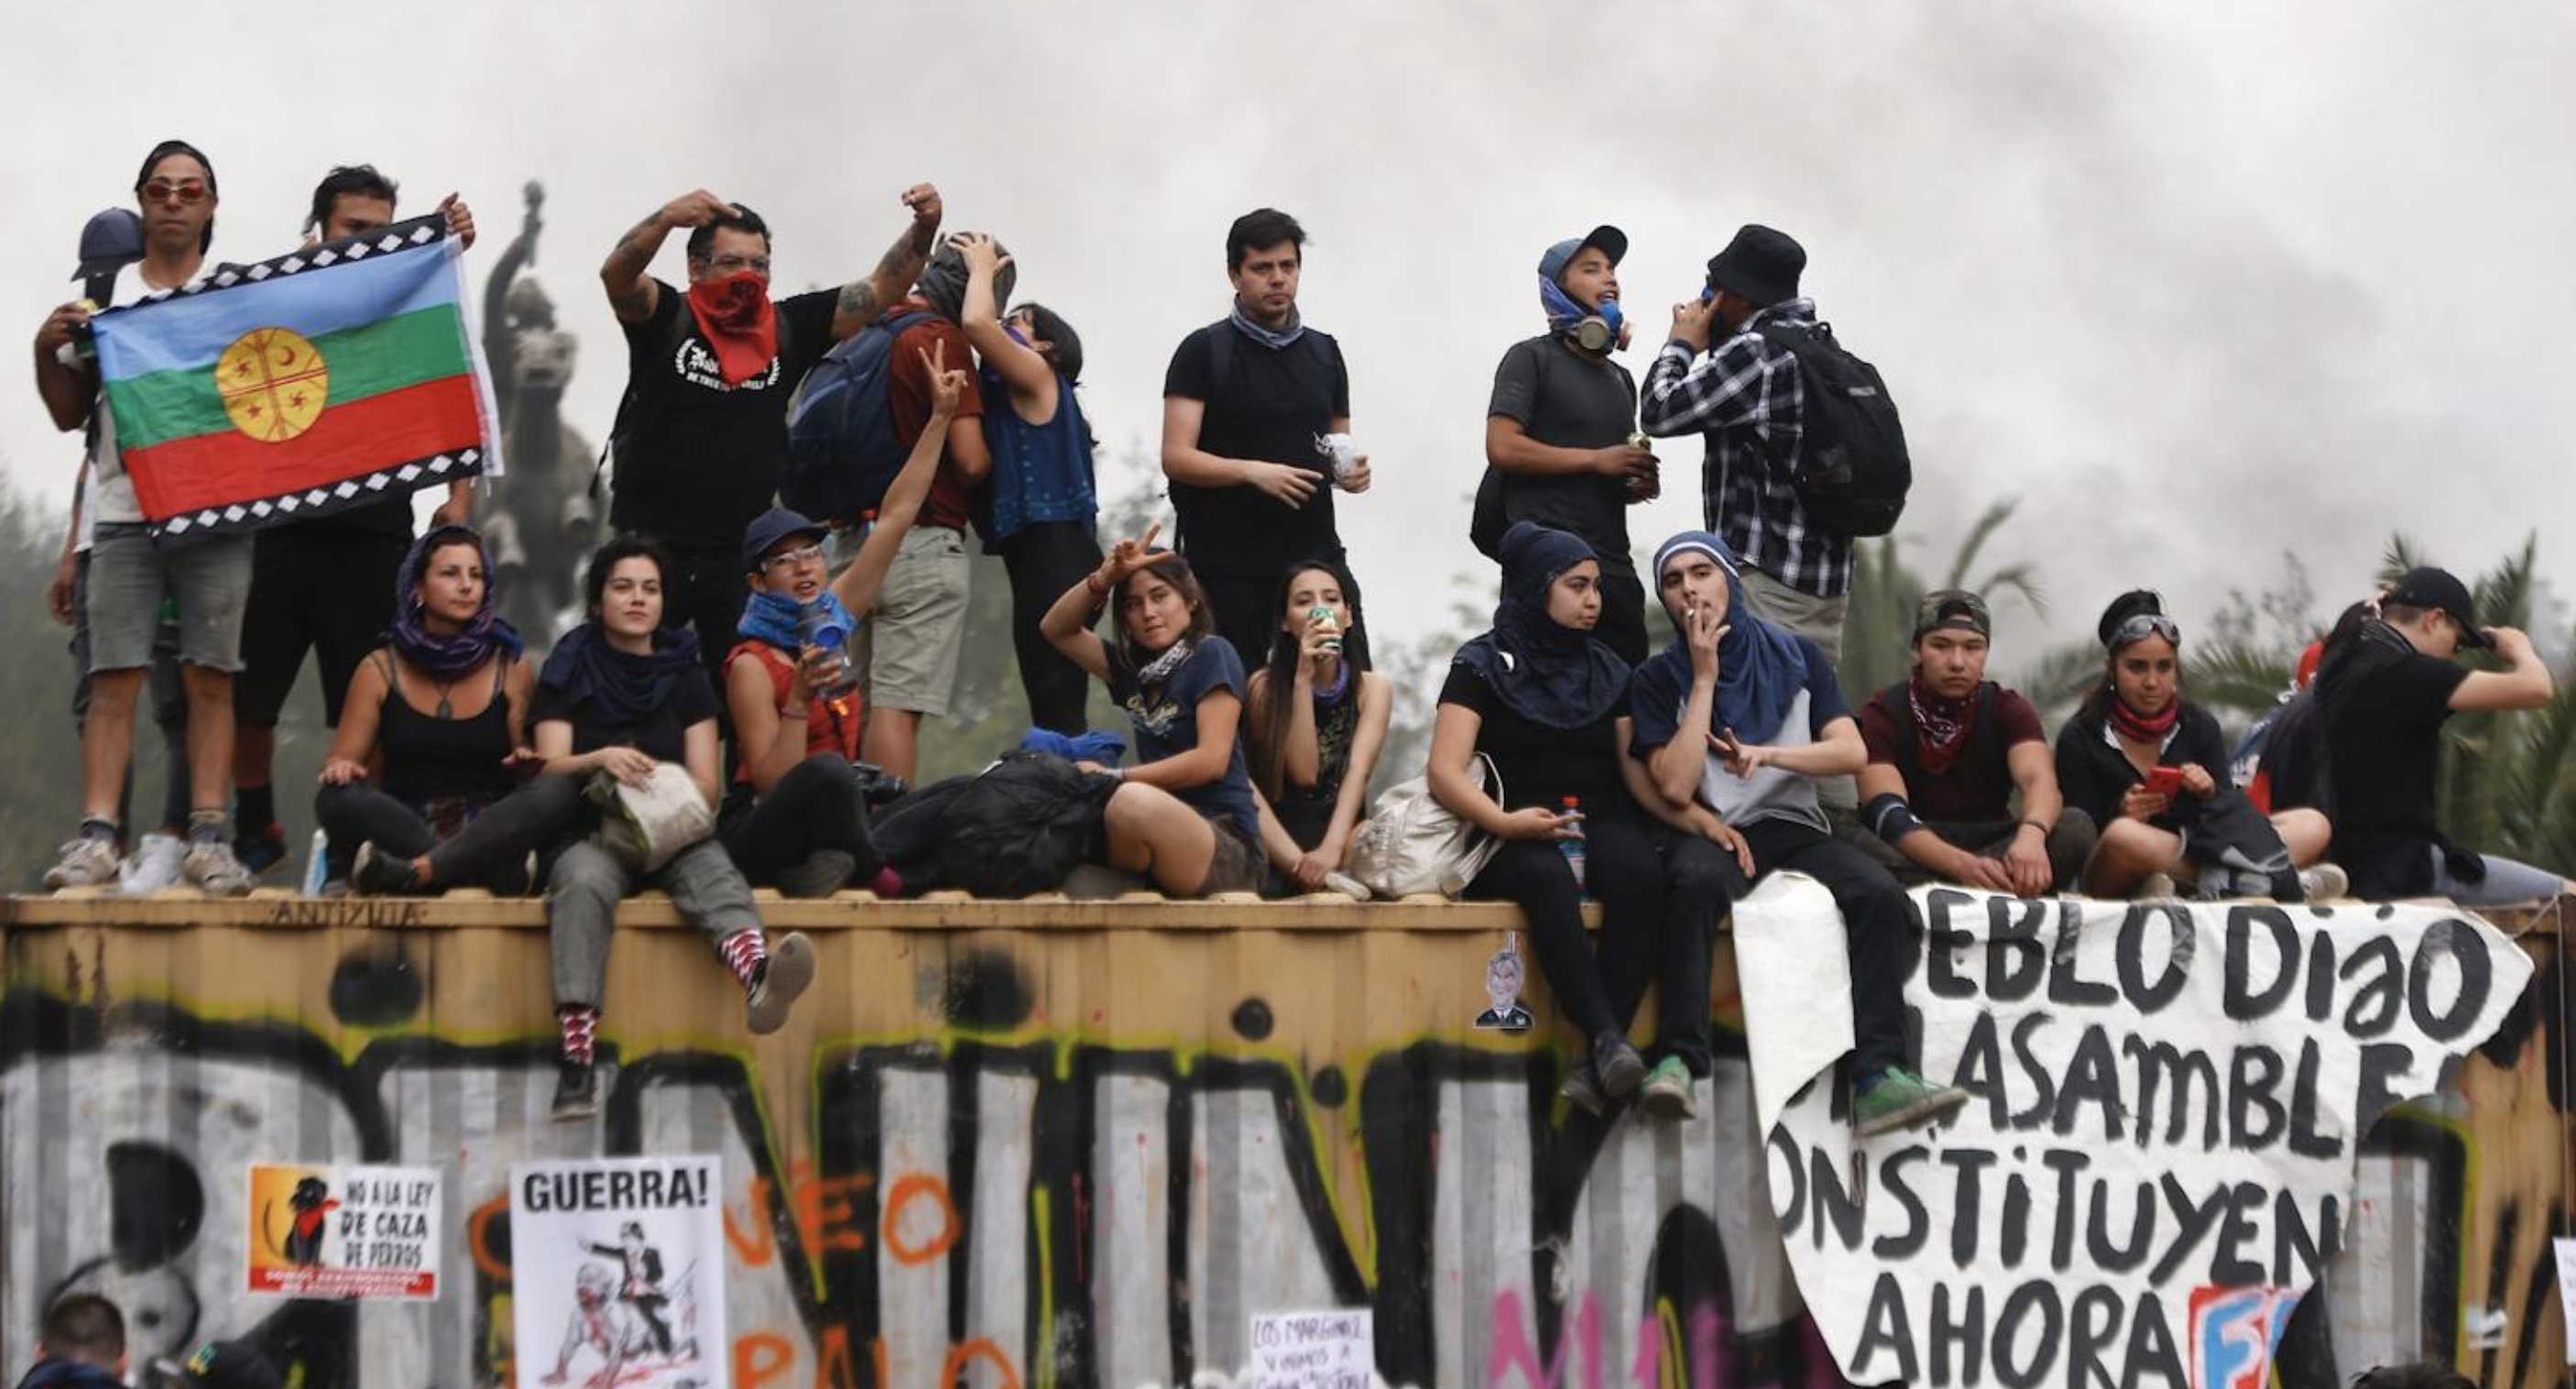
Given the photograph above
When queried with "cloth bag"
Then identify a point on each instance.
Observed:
(645, 826)
(1412, 843)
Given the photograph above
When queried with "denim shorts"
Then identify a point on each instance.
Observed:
(129, 577)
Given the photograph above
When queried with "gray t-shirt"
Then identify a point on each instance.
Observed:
(1569, 399)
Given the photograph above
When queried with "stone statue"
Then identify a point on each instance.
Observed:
(544, 517)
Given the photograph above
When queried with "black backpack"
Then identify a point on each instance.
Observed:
(1852, 471)
(842, 451)
(1022, 826)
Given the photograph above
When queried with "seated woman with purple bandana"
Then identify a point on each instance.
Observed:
(425, 775)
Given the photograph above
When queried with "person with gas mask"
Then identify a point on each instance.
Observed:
(1561, 446)
(701, 437)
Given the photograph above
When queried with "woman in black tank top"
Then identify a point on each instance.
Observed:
(425, 776)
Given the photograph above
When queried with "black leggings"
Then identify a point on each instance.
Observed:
(1043, 560)
(1876, 916)
(490, 852)
(1661, 897)
(817, 805)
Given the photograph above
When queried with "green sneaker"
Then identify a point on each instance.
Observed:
(1902, 1099)
(1667, 1092)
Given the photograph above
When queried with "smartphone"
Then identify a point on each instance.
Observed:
(2165, 781)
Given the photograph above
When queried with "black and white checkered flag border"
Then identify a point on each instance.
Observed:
(400, 236)
(401, 479)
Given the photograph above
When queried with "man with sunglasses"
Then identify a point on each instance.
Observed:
(1950, 751)
(701, 438)
(131, 576)
(2383, 694)
(323, 585)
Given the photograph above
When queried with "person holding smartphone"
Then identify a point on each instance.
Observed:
(2150, 767)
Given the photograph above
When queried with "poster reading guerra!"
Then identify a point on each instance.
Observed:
(617, 1273)
(2157, 1154)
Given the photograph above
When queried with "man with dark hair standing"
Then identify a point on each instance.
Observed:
(1558, 431)
(1246, 405)
(1745, 399)
(82, 1346)
(131, 575)
(701, 440)
(323, 585)
(2383, 694)
(1955, 749)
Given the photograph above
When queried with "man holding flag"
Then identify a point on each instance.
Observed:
(312, 384)
(130, 576)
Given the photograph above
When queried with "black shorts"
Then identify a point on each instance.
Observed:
(323, 588)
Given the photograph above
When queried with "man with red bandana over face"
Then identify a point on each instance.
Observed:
(701, 441)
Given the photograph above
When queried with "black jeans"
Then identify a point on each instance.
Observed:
(817, 805)
(1661, 897)
(1876, 917)
(490, 852)
(1043, 560)
(1623, 616)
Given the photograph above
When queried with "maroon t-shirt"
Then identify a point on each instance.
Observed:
(908, 400)
(1979, 785)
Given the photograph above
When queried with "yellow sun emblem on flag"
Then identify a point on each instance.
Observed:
(274, 383)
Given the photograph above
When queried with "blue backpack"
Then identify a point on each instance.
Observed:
(842, 452)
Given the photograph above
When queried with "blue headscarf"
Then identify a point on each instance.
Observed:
(448, 655)
(1760, 669)
(1551, 675)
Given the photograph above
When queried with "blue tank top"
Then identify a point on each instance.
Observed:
(1041, 472)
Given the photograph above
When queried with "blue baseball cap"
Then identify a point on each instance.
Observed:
(1611, 242)
(774, 525)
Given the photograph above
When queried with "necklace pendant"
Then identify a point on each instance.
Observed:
(445, 710)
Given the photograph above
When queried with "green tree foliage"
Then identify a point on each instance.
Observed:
(1877, 645)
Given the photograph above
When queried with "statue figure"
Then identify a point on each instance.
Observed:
(544, 516)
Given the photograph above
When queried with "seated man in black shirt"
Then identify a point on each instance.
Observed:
(2383, 695)
(1952, 748)
(1247, 403)
(701, 439)
(1561, 431)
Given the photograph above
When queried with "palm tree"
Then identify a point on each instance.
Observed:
(1879, 624)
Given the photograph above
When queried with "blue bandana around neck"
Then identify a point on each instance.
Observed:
(1563, 312)
(771, 616)
(1552, 675)
(1262, 333)
(1760, 668)
(448, 655)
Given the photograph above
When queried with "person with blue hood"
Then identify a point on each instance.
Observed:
(1546, 703)
(1735, 721)
(82, 1346)
(1561, 441)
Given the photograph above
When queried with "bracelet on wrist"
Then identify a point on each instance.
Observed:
(2040, 825)
(1098, 585)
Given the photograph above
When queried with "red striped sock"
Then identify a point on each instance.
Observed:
(743, 953)
(580, 1022)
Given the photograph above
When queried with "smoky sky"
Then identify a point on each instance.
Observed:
(2198, 285)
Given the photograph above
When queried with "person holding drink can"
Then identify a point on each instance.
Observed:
(1561, 442)
(1315, 718)
(796, 815)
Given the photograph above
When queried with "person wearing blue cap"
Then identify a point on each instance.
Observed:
(796, 816)
(1560, 432)
(1736, 721)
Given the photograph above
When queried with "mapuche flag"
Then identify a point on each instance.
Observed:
(327, 378)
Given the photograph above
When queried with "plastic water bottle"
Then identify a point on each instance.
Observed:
(1573, 848)
(317, 868)
(815, 627)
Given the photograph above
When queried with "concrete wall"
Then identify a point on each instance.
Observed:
(1047, 1143)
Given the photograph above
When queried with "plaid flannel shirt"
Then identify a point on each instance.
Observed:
(1746, 399)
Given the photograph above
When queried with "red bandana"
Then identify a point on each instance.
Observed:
(2143, 728)
(1940, 725)
(737, 320)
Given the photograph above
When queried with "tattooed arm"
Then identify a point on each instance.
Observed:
(631, 290)
(862, 300)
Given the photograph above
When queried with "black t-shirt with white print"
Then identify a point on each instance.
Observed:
(698, 459)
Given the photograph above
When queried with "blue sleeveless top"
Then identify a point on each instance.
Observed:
(1041, 472)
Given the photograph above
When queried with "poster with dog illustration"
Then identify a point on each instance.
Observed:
(617, 1273)
(320, 1230)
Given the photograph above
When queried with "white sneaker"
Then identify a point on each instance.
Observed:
(2156, 887)
(211, 866)
(2325, 883)
(153, 865)
(85, 862)
(1346, 885)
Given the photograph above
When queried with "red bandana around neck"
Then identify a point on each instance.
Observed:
(2143, 728)
(737, 320)
(1940, 725)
